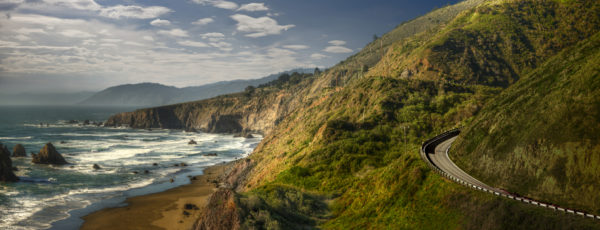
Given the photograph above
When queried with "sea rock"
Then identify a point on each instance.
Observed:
(6, 168)
(210, 155)
(192, 142)
(96, 166)
(191, 207)
(48, 155)
(86, 122)
(19, 151)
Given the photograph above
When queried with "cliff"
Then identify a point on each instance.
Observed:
(256, 110)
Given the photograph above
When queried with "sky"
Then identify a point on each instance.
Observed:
(88, 45)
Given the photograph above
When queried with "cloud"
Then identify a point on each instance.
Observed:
(258, 27)
(337, 49)
(121, 11)
(203, 21)
(318, 56)
(148, 38)
(213, 36)
(253, 7)
(8, 6)
(30, 31)
(174, 32)
(337, 42)
(76, 34)
(218, 3)
(160, 22)
(296, 47)
(192, 43)
(225, 46)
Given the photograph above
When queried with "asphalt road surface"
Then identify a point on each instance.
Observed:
(440, 159)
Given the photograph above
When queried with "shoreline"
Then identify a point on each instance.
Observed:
(162, 210)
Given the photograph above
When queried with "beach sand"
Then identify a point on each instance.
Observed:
(164, 210)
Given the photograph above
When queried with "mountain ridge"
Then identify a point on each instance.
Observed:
(154, 94)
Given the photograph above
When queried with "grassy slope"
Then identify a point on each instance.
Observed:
(494, 43)
(339, 161)
(541, 137)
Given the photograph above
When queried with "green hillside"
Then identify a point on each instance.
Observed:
(541, 137)
(345, 160)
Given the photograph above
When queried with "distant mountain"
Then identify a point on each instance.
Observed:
(44, 98)
(154, 94)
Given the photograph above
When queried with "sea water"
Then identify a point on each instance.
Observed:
(57, 196)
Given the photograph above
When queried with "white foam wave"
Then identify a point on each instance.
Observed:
(16, 138)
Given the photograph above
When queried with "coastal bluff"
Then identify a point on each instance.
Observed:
(234, 113)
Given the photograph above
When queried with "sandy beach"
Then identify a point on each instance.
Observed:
(177, 208)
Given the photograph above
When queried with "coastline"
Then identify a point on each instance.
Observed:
(162, 210)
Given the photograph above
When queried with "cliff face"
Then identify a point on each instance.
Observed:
(255, 110)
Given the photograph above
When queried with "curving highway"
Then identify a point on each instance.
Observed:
(435, 153)
(439, 158)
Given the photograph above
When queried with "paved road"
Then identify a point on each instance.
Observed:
(440, 159)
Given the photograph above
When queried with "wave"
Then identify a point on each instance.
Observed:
(16, 138)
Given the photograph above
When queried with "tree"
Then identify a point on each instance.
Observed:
(375, 37)
(317, 71)
(249, 90)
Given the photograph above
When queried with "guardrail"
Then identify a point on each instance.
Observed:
(429, 146)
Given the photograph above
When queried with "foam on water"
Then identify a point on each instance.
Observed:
(48, 193)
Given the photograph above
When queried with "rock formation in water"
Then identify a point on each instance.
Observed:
(19, 151)
(6, 168)
(48, 155)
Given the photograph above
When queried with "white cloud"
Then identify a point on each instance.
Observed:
(253, 7)
(30, 31)
(318, 56)
(22, 37)
(213, 36)
(203, 21)
(192, 43)
(76, 34)
(160, 22)
(258, 27)
(337, 42)
(296, 47)
(174, 32)
(121, 11)
(225, 46)
(337, 49)
(93, 57)
(218, 3)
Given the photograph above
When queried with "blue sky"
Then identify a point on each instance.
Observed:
(75, 45)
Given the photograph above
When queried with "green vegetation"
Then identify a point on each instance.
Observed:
(346, 151)
(541, 137)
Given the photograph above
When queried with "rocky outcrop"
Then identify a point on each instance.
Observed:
(19, 151)
(220, 213)
(6, 168)
(226, 114)
(48, 155)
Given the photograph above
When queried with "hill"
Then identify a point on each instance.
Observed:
(541, 137)
(341, 148)
(153, 94)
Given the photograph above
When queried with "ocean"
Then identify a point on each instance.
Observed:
(55, 197)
